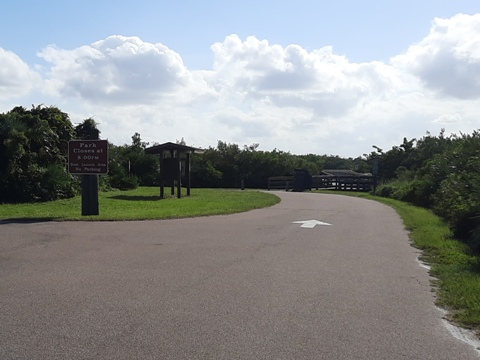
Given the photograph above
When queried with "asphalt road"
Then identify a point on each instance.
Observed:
(245, 286)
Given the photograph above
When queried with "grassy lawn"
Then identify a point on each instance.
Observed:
(144, 204)
(455, 268)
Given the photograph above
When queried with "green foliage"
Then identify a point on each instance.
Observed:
(228, 164)
(415, 191)
(130, 167)
(123, 182)
(475, 240)
(440, 173)
(33, 153)
(203, 173)
(87, 130)
(457, 201)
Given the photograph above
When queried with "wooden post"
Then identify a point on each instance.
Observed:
(172, 189)
(90, 186)
(90, 195)
(162, 175)
(179, 175)
(187, 173)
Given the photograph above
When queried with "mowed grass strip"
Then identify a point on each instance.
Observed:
(455, 268)
(144, 204)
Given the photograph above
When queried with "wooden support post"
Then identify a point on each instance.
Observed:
(172, 188)
(90, 204)
(90, 195)
(179, 175)
(162, 175)
(187, 173)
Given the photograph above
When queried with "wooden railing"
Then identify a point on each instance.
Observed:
(350, 183)
(280, 182)
(354, 183)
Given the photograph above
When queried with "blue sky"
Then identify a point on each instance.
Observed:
(300, 76)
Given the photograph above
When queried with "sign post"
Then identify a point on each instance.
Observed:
(375, 174)
(88, 158)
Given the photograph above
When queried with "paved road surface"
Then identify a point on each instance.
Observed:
(244, 286)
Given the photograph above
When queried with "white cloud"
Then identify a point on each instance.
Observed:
(447, 119)
(283, 97)
(320, 81)
(118, 69)
(256, 67)
(447, 60)
(16, 78)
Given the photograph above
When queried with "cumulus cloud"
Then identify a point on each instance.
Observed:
(448, 119)
(284, 97)
(255, 65)
(281, 97)
(16, 78)
(320, 80)
(118, 69)
(447, 60)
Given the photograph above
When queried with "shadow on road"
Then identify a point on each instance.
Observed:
(26, 220)
(135, 198)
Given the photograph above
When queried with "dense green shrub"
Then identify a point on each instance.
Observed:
(440, 173)
(33, 153)
(417, 192)
(129, 165)
(458, 203)
(228, 164)
(123, 182)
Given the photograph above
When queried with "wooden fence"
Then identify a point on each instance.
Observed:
(280, 182)
(348, 183)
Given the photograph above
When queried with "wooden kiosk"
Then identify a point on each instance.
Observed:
(174, 166)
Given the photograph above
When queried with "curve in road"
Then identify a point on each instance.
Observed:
(255, 285)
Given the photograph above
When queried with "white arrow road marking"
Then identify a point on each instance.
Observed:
(310, 224)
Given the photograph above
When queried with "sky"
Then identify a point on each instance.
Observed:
(305, 76)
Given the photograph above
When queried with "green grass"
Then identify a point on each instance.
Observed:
(143, 204)
(455, 269)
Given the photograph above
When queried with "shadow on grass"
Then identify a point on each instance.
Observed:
(135, 198)
(26, 220)
(475, 267)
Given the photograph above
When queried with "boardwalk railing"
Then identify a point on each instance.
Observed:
(348, 183)
(354, 183)
(280, 182)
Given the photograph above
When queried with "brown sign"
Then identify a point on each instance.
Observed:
(88, 157)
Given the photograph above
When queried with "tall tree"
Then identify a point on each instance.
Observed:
(33, 154)
(87, 130)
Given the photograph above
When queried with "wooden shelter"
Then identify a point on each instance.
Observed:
(174, 166)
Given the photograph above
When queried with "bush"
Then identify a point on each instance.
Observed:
(475, 242)
(56, 184)
(457, 204)
(417, 192)
(123, 182)
(33, 152)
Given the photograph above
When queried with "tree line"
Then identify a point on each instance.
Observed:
(227, 165)
(33, 157)
(441, 172)
(34, 152)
